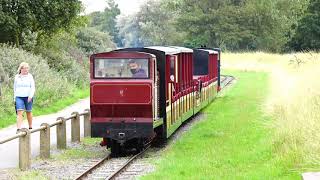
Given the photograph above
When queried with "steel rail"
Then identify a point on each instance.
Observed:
(119, 171)
(87, 172)
(231, 78)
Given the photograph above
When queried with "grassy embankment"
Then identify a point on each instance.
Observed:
(252, 132)
(293, 102)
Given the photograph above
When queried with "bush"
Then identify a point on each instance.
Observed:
(63, 55)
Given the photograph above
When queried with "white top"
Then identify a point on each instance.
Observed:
(167, 50)
(210, 51)
(24, 86)
(183, 49)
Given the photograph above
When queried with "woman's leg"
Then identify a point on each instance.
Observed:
(19, 118)
(29, 113)
(29, 117)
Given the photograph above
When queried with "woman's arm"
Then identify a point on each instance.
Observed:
(14, 88)
(33, 87)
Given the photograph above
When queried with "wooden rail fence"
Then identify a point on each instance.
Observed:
(25, 142)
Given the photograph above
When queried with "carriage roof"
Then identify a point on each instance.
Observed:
(167, 50)
(183, 49)
(210, 51)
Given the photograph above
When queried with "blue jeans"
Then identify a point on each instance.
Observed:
(22, 104)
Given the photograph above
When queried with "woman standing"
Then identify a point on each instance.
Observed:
(24, 88)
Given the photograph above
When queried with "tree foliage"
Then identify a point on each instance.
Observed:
(92, 41)
(308, 31)
(235, 25)
(18, 17)
(231, 24)
(106, 21)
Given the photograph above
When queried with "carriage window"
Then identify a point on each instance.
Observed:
(121, 68)
(172, 66)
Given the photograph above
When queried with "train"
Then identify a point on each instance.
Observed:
(137, 94)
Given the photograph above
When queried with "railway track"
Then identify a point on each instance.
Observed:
(115, 168)
(226, 80)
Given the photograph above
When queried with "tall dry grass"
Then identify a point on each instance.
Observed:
(293, 101)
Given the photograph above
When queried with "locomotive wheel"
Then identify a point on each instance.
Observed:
(115, 149)
(140, 145)
(139, 149)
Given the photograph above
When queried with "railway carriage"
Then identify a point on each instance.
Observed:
(129, 110)
(207, 73)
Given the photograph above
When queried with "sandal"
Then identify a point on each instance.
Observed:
(18, 131)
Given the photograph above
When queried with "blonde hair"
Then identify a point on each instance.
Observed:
(22, 65)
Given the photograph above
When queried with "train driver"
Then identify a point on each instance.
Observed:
(136, 70)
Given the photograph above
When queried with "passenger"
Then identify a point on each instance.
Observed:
(24, 88)
(136, 70)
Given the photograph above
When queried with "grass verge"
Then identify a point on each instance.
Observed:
(27, 175)
(75, 96)
(232, 143)
(88, 148)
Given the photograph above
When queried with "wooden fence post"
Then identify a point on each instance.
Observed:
(61, 134)
(45, 141)
(86, 123)
(75, 127)
(24, 150)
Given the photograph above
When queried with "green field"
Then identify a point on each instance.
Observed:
(233, 142)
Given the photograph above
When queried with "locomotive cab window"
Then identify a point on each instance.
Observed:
(121, 68)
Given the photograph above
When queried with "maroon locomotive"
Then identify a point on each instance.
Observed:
(139, 93)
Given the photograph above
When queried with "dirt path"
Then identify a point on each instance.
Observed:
(9, 157)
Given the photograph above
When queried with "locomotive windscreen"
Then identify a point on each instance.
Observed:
(121, 68)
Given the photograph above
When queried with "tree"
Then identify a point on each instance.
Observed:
(308, 31)
(42, 16)
(106, 21)
(130, 31)
(157, 25)
(237, 24)
(93, 41)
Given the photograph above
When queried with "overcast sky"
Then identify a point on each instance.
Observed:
(126, 6)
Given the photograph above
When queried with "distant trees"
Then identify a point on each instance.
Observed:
(238, 24)
(308, 31)
(267, 25)
(153, 25)
(106, 21)
(19, 18)
(92, 41)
